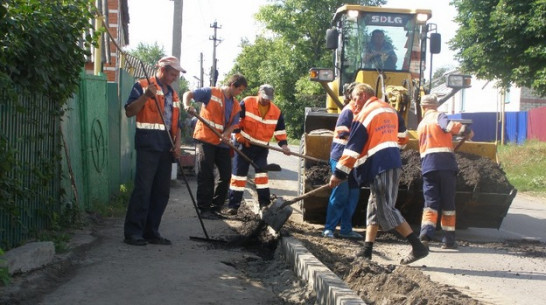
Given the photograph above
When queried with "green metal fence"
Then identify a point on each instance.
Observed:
(30, 198)
(94, 140)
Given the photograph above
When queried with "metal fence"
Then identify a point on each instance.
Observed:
(94, 140)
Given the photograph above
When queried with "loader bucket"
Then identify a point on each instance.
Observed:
(474, 208)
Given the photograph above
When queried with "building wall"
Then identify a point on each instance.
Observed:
(111, 63)
(483, 96)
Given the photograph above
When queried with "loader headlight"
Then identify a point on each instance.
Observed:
(321, 75)
(458, 81)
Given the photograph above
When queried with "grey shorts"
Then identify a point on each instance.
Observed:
(381, 208)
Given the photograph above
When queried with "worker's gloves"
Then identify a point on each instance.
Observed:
(240, 139)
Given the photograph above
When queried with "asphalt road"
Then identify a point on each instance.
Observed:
(484, 267)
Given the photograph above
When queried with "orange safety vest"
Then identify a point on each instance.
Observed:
(149, 118)
(213, 113)
(258, 129)
(381, 122)
(432, 138)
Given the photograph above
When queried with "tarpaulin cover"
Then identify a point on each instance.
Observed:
(536, 124)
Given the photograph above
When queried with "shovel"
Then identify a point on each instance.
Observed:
(268, 168)
(277, 213)
(292, 153)
(206, 238)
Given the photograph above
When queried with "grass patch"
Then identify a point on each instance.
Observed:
(117, 205)
(525, 166)
(5, 278)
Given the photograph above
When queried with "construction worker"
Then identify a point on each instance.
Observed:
(344, 197)
(373, 154)
(260, 121)
(439, 170)
(221, 110)
(154, 151)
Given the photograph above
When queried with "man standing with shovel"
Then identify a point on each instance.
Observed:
(372, 150)
(154, 151)
(221, 111)
(260, 121)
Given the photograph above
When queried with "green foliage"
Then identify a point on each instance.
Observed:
(525, 165)
(503, 39)
(44, 46)
(282, 57)
(5, 278)
(148, 53)
(44, 49)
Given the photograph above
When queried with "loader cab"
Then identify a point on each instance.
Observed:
(373, 43)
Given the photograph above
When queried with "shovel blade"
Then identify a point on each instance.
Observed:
(273, 167)
(275, 215)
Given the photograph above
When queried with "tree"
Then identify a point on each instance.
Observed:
(294, 43)
(149, 53)
(503, 40)
(44, 47)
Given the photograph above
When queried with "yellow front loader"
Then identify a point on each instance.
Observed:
(397, 77)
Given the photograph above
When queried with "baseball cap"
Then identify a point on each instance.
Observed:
(267, 92)
(429, 100)
(171, 61)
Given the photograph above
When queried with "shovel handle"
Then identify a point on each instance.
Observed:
(461, 142)
(303, 196)
(216, 132)
(292, 153)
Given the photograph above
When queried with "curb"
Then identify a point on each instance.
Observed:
(329, 288)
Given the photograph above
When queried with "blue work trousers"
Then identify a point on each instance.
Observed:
(341, 206)
(439, 192)
(258, 155)
(150, 194)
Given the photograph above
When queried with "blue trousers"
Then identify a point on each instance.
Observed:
(341, 206)
(240, 168)
(439, 192)
(150, 194)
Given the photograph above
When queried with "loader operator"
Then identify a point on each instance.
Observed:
(439, 169)
(154, 152)
(260, 121)
(379, 52)
(372, 153)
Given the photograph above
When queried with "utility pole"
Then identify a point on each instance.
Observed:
(215, 43)
(177, 33)
(201, 71)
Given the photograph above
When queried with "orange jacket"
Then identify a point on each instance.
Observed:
(257, 129)
(435, 133)
(213, 113)
(434, 138)
(149, 118)
(372, 147)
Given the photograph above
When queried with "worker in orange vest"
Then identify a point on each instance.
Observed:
(439, 169)
(260, 121)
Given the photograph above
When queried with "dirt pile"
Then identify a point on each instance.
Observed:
(373, 282)
(475, 173)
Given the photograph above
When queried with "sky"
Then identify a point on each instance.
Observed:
(151, 22)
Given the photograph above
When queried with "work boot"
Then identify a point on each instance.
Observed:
(451, 246)
(416, 253)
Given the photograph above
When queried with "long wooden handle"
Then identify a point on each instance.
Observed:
(228, 142)
(292, 153)
(303, 196)
(461, 142)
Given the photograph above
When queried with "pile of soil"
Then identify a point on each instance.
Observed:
(373, 282)
(475, 174)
